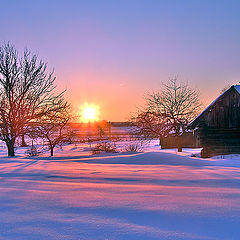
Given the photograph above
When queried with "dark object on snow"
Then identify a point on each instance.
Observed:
(218, 126)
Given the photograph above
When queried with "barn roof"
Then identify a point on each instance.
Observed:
(196, 121)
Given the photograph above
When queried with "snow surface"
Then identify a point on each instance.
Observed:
(237, 87)
(156, 194)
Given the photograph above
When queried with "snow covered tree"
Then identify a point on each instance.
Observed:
(26, 87)
(169, 110)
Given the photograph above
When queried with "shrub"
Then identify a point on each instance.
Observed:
(134, 147)
(104, 147)
(32, 151)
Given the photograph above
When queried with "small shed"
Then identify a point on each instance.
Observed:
(187, 139)
(218, 126)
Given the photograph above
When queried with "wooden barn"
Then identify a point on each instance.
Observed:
(218, 126)
(187, 139)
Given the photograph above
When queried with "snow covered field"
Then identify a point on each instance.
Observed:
(158, 194)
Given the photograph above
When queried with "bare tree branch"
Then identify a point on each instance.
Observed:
(169, 110)
(26, 92)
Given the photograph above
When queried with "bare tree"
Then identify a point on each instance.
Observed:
(169, 110)
(53, 125)
(26, 88)
(149, 125)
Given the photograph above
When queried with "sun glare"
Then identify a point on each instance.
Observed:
(89, 113)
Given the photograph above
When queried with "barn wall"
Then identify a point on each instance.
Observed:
(188, 140)
(219, 125)
(225, 113)
(216, 141)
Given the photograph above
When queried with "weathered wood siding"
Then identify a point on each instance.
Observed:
(219, 125)
(225, 113)
(188, 140)
(219, 141)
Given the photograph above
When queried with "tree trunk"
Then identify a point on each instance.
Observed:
(10, 146)
(23, 144)
(51, 148)
(179, 144)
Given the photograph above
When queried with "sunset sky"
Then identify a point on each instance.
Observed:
(109, 53)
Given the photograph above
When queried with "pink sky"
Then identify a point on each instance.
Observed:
(112, 52)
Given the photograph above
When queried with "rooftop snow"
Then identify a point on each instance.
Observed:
(237, 87)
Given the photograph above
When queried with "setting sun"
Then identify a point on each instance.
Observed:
(89, 113)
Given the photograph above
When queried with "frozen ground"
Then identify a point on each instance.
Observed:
(158, 194)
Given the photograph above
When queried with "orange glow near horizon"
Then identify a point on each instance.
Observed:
(89, 113)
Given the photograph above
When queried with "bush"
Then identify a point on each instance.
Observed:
(134, 147)
(195, 155)
(104, 147)
(32, 151)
